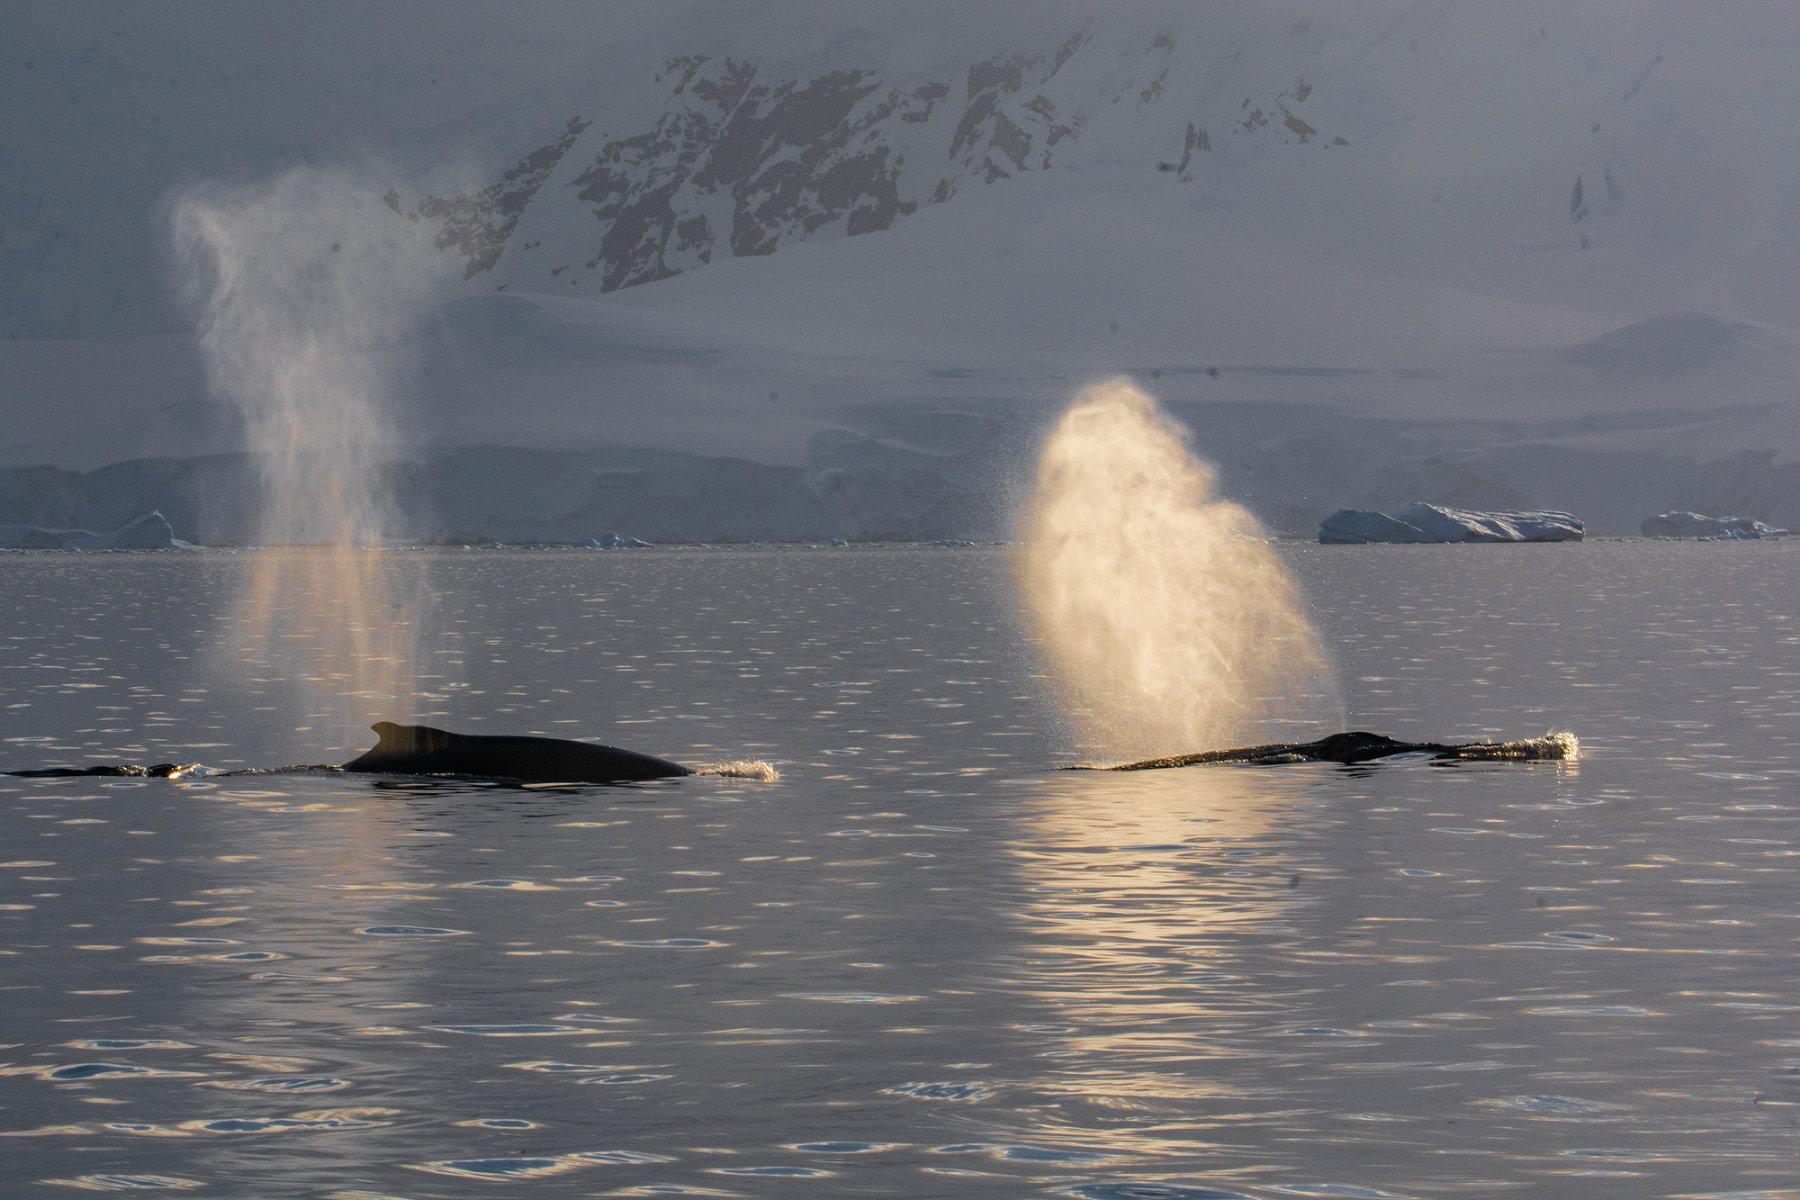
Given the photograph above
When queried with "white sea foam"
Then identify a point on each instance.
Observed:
(1556, 746)
(741, 768)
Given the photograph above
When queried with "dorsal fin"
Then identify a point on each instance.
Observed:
(395, 739)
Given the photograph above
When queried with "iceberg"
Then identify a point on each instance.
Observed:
(613, 540)
(33, 537)
(1419, 522)
(1355, 527)
(1698, 525)
(148, 532)
(151, 531)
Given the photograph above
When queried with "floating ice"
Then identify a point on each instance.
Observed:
(148, 532)
(1421, 522)
(613, 540)
(1697, 525)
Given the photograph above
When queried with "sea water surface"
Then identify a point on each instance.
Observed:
(924, 963)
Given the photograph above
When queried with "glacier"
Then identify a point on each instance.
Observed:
(1419, 522)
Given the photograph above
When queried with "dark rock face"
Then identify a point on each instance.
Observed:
(793, 157)
(788, 156)
(478, 224)
(990, 143)
(1194, 139)
(727, 157)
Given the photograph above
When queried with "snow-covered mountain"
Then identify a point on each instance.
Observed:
(1526, 254)
(1420, 137)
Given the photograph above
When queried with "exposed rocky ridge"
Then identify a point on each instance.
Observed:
(652, 139)
(477, 224)
(740, 156)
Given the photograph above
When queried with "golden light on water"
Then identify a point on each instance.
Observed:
(335, 620)
(1164, 613)
(1134, 932)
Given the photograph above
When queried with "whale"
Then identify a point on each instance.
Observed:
(424, 750)
(427, 750)
(1357, 746)
(165, 770)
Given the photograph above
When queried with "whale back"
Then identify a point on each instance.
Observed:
(1359, 746)
(426, 750)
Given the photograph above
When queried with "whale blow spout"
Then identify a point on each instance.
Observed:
(1162, 609)
(305, 292)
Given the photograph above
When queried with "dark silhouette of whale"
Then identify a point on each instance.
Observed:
(1355, 747)
(131, 770)
(423, 750)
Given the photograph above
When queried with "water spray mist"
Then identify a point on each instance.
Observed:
(303, 288)
(1168, 619)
